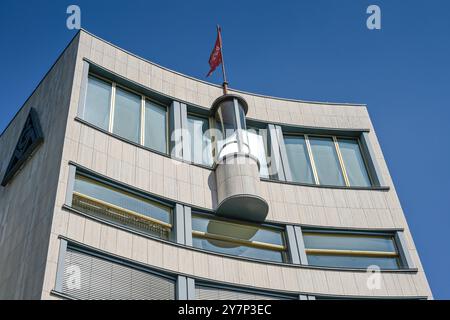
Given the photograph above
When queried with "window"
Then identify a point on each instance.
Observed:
(127, 115)
(239, 239)
(298, 158)
(355, 166)
(326, 160)
(257, 141)
(101, 200)
(106, 279)
(155, 136)
(200, 140)
(351, 250)
(98, 102)
(209, 292)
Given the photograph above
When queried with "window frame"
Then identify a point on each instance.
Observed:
(131, 193)
(341, 162)
(123, 88)
(284, 249)
(143, 99)
(167, 133)
(111, 97)
(397, 254)
(212, 138)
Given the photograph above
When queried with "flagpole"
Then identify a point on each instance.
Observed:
(224, 75)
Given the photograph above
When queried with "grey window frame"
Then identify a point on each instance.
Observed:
(341, 163)
(74, 170)
(66, 244)
(286, 253)
(397, 237)
(143, 99)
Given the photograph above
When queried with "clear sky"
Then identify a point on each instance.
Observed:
(311, 50)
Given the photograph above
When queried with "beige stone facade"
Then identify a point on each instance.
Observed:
(33, 203)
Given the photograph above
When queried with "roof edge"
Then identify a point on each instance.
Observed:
(218, 86)
(40, 82)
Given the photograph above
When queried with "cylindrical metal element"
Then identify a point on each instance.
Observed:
(237, 171)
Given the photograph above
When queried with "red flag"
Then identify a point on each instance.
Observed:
(215, 59)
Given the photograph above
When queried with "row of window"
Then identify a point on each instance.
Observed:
(90, 275)
(324, 160)
(255, 241)
(330, 161)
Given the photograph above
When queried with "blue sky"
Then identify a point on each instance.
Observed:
(311, 50)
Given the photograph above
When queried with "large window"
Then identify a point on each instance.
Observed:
(101, 200)
(200, 140)
(103, 278)
(98, 103)
(127, 114)
(239, 239)
(326, 160)
(351, 250)
(355, 166)
(155, 129)
(297, 154)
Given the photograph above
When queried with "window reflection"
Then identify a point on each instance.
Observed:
(246, 240)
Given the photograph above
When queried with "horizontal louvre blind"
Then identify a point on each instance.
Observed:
(101, 279)
(209, 293)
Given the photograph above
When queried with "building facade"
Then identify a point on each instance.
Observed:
(122, 179)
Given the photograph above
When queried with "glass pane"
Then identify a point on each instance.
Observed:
(257, 142)
(352, 261)
(242, 117)
(200, 142)
(226, 119)
(348, 242)
(354, 163)
(237, 230)
(155, 127)
(298, 159)
(237, 250)
(127, 115)
(98, 102)
(327, 162)
(107, 194)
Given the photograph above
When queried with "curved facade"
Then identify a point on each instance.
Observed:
(133, 189)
